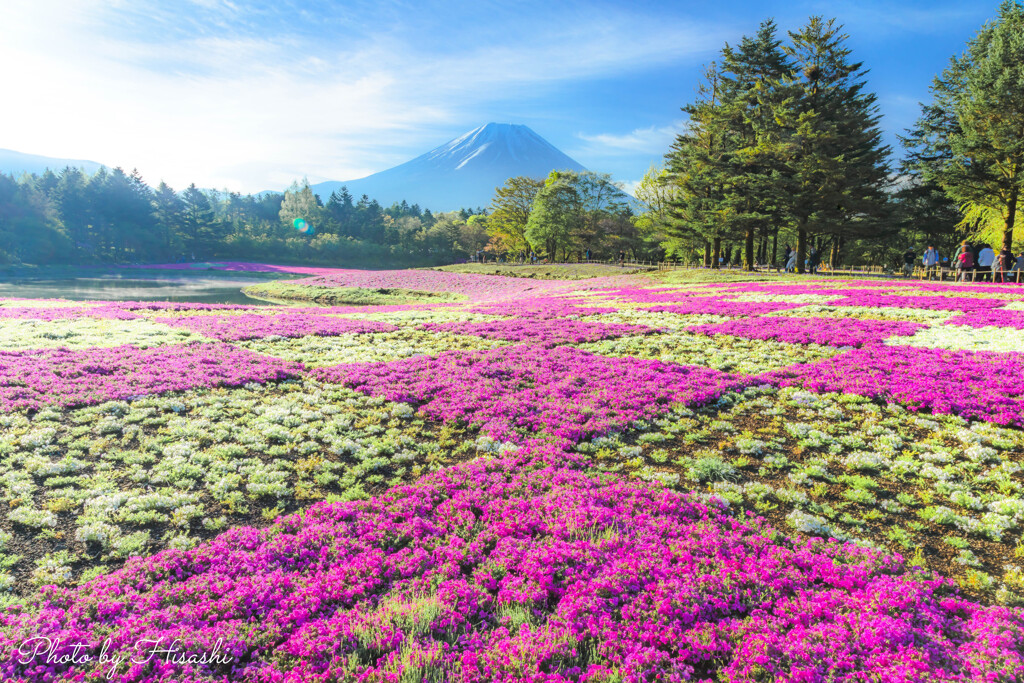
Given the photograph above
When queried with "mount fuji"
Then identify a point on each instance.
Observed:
(462, 173)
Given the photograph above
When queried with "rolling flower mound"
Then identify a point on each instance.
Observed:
(246, 326)
(933, 303)
(546, 332)
(32, 379)
(542, 308)
(721, 306)
(824, 331)
(49, 314)
(991, 318)
(475, 287)
(984, 385)
(516, 393)
(521, 569)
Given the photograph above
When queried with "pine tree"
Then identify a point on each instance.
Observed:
(752, 88)
(836, 170)
(698, 167)
(970, 138)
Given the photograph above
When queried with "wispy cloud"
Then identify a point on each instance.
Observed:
(249, 97)
(652, 140)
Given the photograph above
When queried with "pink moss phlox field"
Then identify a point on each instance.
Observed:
(517, 392)
(540, 308)
(32, 379)
(474, 286)
(976, 384)
(248, 326)
(615, 575)
(1012, 320)
(718, 306)
(934, 303)
(824, 331)
(105, 312)
(546, 332)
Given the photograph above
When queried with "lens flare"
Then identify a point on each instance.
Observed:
(303, 226)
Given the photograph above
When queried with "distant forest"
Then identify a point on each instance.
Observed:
(115, 217)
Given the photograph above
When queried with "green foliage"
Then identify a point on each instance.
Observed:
(968, 140)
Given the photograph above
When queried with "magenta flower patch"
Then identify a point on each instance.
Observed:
(719, 306)
(824, 331)
(516, 392)
(1013, 320)
(655, 586)
(247, 326)
(933, 303)
(543, 332)
(976, 384)
(32, 379)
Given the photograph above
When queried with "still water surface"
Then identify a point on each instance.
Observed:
(120, 284)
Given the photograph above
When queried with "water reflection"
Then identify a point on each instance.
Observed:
(137, 285)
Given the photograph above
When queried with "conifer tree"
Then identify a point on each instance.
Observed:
(836, 169)
(970, 138)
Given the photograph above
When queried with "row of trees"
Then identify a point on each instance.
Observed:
(783, 147)
(115, 217)
(783, 141)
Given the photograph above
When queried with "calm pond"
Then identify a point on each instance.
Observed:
(135, 284)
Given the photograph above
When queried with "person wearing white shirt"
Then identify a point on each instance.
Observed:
(986, 257)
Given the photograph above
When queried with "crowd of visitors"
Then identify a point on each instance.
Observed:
(971, 262)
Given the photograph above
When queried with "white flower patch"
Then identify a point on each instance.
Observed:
(914, 315)
(80, 333)
(316, 351)
(962, 337)
(672, 321)
(787, 298)
(32, 517)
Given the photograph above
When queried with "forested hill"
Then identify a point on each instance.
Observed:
(116, 217)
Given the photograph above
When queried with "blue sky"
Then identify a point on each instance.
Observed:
(249, 96)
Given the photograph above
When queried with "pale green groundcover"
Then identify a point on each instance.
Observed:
(965, 337)
(422, 316)
(672, 321)
(46, 303)
(721, 352)
(317, 351)
(97, 485)
(80, 333)
(843, 466)
(783, 298)
(912, 315)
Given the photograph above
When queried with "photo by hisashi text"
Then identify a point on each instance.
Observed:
(42, 650)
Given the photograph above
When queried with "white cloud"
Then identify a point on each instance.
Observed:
(652, 140)
(228, 105)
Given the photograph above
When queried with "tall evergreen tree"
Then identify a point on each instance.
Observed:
(698, 167)
(836, 169)
(753, 75)
(970, 138)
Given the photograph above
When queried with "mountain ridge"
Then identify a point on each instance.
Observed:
(15, 163)
(463, 172)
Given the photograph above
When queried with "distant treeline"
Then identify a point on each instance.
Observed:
(115, 217)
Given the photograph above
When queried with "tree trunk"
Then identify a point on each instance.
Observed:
(775, 249)
(716, 252)
(1011, 218)
(707, 254)
(801, 247)
(748, 250)
(837, 245)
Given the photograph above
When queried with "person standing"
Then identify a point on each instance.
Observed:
(622, 258)
(986, 258)
(814, 261)
(965, 263)
(1005, 264)
(908, 262)
(930, 260)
